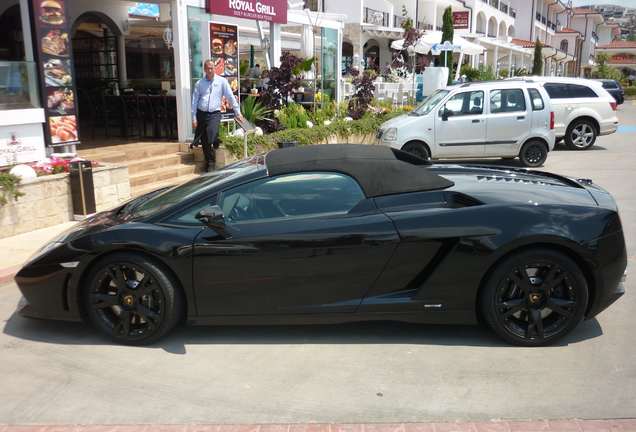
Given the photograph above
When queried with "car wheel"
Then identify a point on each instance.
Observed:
(418, 149)
(131, 299)
(534, 297)
(533, 154)
(581, 135)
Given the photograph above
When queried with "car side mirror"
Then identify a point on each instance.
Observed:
(213, 217)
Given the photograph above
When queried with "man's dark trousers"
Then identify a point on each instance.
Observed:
(208, 127)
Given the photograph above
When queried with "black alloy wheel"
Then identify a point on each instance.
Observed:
(581, 135)
(534, 298)
(533, 154)
(131, 300)
(417, 149)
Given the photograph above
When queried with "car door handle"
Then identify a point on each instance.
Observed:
(521, 117)
(476, 121)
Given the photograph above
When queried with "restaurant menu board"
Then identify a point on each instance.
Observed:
(224, 53)
(52, 32)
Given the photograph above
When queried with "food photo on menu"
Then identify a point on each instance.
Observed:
(57, 73)
(52, 12)
(63, 129)
(230, 48)
(219, 66)
(230, 67)
(55, 43)
(60, 100)
(217, 46)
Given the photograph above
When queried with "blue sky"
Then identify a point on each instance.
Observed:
(626, 3)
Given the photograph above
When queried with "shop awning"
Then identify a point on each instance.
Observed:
(518, 49)
(430, 38)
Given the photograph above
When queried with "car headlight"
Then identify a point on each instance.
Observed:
(43, 250)
(390, 134)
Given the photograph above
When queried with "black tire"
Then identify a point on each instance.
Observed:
(533, 153)
(541, 307)
(580, 135)
(417, 149)
(131, 299)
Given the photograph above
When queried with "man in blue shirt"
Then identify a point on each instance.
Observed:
(207, 98)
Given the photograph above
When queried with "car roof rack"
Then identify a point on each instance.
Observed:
(514, 79)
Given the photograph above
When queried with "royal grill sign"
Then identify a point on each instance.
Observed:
(460, 19)
(262, 10)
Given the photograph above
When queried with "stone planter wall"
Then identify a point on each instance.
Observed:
(47, 200)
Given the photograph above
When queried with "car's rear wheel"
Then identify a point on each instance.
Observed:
(418, 149)
(130, 299)
(533, 154)
(581, 135)
(534, 297)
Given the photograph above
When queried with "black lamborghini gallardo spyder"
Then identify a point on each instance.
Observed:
(337, 233)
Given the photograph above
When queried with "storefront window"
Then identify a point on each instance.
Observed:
(18, 85)
(196, 16)
(329, 61)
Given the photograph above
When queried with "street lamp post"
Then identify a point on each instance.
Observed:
(411, 51)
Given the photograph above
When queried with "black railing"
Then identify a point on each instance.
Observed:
(424, 26)
(373, 16)
(512, 12)
(494, 3)
(503, 7)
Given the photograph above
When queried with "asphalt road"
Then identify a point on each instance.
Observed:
(64, 373)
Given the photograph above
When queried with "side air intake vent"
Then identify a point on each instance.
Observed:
(459, 200)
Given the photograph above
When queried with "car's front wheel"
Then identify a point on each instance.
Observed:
(534, 297)
(130, 299)
(533, 154)
(581, 135)
(418, 149)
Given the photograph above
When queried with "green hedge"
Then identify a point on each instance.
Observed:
(367, 125)
(630, 91)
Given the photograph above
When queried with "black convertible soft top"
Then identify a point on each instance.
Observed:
(380, 170)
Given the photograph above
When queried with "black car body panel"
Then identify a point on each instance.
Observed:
(417, 256)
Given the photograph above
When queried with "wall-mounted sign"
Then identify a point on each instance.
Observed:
(54, 59)
(262, 10)
(224, 53)
(461, 19)
(20, 146)
(144, 10)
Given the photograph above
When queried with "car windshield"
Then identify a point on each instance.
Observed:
(430, 103)
(168, 197)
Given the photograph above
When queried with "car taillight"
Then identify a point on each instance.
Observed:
(551, 119)
(613, 105)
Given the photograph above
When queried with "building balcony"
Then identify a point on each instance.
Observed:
(398, 21)
(377, 17)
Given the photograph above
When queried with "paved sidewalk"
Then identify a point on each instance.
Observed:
(14, 251)
(492, 426)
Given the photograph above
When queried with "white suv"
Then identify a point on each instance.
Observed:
(483, 119)
(583, 110)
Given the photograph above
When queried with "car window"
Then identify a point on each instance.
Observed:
(610, 85)
(580, 91)
(430, 102)
(290, 196)
(556, 91)
(507, 100)
(536, 99)
(466, 103)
